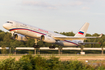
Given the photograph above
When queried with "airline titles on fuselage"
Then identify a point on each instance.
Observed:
(36, 29)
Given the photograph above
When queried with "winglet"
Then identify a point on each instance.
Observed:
(100, 35)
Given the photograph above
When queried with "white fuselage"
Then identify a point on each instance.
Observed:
(35, 32)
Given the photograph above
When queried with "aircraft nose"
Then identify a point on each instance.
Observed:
(4, 25)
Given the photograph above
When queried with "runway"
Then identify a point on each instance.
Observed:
(63, 57)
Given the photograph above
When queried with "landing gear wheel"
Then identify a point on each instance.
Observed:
(52, 47)
(36, 46)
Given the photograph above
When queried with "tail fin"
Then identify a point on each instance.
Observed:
(82, 31)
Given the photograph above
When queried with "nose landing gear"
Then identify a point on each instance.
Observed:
(35, 45)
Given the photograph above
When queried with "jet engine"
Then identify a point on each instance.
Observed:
(20, 37)
(48, 39)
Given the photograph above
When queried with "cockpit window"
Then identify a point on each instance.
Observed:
(9, 22)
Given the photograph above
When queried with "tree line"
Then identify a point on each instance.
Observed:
(6, 41)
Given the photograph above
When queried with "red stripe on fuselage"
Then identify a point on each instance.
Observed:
(71, 42)
(26, 29)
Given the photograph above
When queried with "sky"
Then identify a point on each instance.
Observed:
(55, 15)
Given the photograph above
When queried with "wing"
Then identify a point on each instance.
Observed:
(74, 38)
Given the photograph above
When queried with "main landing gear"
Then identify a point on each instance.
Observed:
(52, 47)
(37, 46)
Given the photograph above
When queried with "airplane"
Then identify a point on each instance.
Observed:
(22, 32)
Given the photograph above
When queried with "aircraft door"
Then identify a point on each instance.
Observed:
(15, 25)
